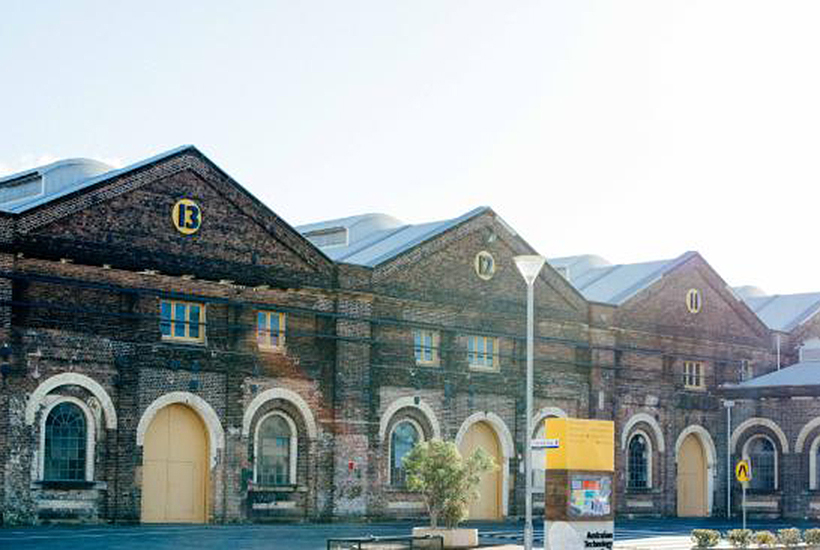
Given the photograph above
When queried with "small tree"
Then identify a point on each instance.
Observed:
(765, 539)
(446, 481)
(788, 537)
(739, 538)
(705, 538)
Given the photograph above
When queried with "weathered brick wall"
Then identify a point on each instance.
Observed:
(354, 402)
(663, 333)
(349, 352)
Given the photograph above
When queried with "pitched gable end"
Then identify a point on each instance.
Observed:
(129, 217)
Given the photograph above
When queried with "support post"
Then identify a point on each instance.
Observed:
(528, 454)
(744, 505)
(728, 404)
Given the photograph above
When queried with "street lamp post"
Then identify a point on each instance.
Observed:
(729, 404)
(529, 266)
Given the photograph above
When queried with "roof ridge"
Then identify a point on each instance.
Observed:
(805, 315)
(606, 272)
(649, 279)
(366, 245)
(440, 227)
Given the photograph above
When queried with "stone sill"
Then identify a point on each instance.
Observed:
(282, 489)
(642, 492)
(399, 491)
(70, 485)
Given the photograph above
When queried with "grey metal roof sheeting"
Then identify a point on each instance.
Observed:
(600, 281)
(62, 178)
(784, 312)
(373, 239)
(799, 374)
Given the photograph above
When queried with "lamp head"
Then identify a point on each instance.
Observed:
(529, 266)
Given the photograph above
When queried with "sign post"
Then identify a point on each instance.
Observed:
(579, 506)
(743, 473)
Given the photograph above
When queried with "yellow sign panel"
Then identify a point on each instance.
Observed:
(584, 444)
(743, 472)
(187, 216)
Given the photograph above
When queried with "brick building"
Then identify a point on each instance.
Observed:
(172, 350)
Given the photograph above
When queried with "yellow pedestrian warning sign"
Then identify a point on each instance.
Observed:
(743, 472)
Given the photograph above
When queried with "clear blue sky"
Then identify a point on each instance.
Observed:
(634, 130)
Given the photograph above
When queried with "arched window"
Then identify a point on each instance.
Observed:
(276, 450)
(762, 456)
(405, 436)
(639, 458)
(65, 443)
(814, 462)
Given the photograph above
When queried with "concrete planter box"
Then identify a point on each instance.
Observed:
(453, 538)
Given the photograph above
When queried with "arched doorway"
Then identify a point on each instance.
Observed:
(691, 482)
(488, 505)
(175, 467)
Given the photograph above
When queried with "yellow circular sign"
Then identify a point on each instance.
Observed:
(743, 472)
(187, 216)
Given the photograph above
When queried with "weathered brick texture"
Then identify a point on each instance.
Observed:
(82, 278)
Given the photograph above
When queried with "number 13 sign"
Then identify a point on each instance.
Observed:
(187, 216)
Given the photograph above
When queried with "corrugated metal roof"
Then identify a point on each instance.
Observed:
(71, 175)
(784, 312)
(799, 374)
(373, 239)
(600, 281)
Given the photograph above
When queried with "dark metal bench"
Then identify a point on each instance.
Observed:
(433, 542)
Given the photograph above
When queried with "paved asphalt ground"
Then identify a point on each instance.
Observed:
(303, 536)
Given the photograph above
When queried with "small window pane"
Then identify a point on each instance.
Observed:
(274, 329)
(165, 318)
(179, 320)
(261, 328)
(193, 317)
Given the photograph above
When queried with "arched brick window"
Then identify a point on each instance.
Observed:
(639, 462)
(762, 454)
(276, 450)
(406, 435)
(65, 443)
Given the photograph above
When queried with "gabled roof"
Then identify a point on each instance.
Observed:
(784, 312)
(800, 374)
(31, 188)
(600, 281)
(372, 239)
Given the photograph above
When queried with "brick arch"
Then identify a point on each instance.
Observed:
(763, 422)
(38, 396)
(411, 402)
(651, 422)
(216, 435)
(805, 431)
(286, 395)
(547, 412)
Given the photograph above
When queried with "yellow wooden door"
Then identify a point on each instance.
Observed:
(488, 505)
(692, 478)
(175, 468)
